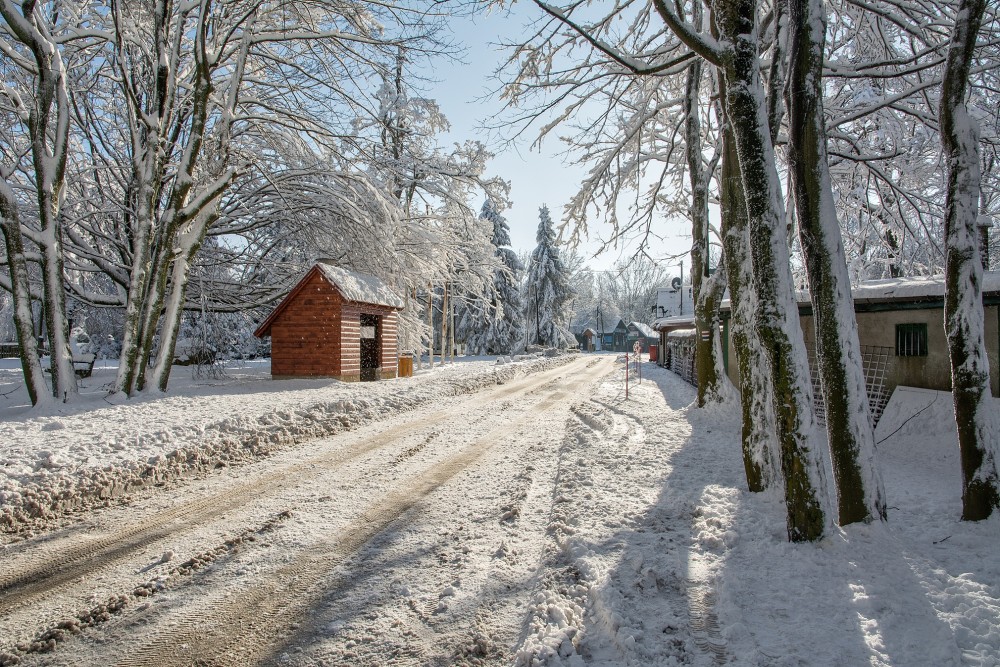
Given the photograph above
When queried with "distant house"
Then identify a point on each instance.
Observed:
(589, 340)
(642, 333)
(334, 323)
(677, 344)
(901, 331)
(615, 340)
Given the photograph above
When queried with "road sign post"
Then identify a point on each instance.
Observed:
(637, 349)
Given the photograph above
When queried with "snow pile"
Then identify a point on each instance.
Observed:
(51, 465)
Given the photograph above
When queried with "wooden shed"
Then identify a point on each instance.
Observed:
(334, 323)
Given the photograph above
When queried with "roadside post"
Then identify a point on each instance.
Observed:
(637, 349)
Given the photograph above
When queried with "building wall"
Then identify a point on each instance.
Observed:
(305, 337)
(350, 340)
(930, 372)
(390, 336)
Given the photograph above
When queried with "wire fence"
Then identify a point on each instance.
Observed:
(876, 362)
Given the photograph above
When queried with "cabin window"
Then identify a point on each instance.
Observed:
(911, 340)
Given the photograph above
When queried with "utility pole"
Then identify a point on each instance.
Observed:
(682, 289)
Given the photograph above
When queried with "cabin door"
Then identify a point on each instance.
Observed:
(371, 342)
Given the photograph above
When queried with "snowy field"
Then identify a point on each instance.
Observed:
(546, 520)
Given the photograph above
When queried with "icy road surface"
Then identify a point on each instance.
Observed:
(413, 540)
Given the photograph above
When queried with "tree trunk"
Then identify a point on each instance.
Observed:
(430, 325)
(708, 369)
(152, 311)
(860, 493)
(17, 264)
(50, 173)
(975, 413)
(778, 71)
(48, 129)
(190, 240)
(709, 360)
(760, 460)
(140, 277)
(444, 323)
(172, 218)
(451, 331)
(776, 312)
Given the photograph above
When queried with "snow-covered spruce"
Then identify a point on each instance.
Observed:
(547, 289)
(39, 484)
(496, 325)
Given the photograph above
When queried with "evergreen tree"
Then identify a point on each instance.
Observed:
(496, 325)
(547, 289)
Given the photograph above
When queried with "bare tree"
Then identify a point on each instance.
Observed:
(706, 290)
(760, 458)
(848, 420)
(31, 47)
(736, 51)
(630, 287)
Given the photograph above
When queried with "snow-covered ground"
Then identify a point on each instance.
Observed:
(448, 520)
(71, 456)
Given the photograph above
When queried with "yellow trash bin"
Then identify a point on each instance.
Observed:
(405, 365)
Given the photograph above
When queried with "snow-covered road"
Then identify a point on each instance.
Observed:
(523, 514)
(417, 535)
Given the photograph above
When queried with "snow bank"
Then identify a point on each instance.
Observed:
(54, 464)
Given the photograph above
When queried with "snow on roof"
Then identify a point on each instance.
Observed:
(913, 288)
(360, 287)
(892, 289)
(682, 333)
(643, 328)
(673, 322)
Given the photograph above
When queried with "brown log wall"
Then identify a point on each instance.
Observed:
(318, 334)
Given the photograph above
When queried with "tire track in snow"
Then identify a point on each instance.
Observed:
(583, 597)
(240, 630)
(52, 566)
(701, 597)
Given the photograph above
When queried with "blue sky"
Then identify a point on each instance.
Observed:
(537, 177)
